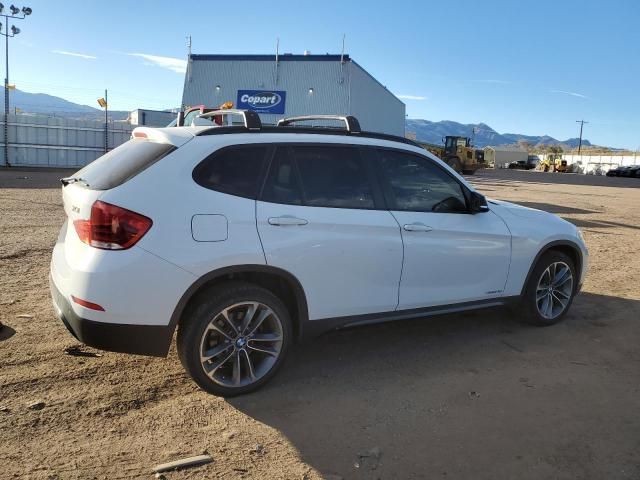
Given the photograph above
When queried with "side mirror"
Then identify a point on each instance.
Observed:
(478, 203)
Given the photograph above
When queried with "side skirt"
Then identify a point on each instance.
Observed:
(313, 328)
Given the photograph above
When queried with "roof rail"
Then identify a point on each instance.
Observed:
(250, 118)
(306, 130)
(351, 123)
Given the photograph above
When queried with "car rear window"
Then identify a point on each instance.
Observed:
(122, 163)
(235, 170)
(333, 176)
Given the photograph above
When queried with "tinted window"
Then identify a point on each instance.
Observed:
(120, 164)
(282, 184)
(333, 177)
(234, 170)
(416, 184)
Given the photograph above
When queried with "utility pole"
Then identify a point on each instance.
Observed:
(103, 103)
(581, 122)
(106, 122)
(25, 11)
(188, 59)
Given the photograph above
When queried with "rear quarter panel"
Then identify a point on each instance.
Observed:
(167, 193)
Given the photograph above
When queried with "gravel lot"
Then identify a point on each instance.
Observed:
(463, 396)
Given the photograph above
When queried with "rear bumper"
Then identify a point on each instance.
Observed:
(150, 340)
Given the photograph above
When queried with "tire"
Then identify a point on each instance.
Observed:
(242, 363)
(468, 172)
(455, 163)
(539, 312)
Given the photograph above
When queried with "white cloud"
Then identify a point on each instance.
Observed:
(573, 94)
(74, 54)
(411, 97)
(177, 65)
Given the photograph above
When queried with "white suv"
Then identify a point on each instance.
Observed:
(247, 238)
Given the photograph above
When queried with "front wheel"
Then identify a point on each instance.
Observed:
(235, 339)
(550, 289)
(455, 163)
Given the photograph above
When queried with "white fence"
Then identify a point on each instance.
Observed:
(40, 141)
(599, 164)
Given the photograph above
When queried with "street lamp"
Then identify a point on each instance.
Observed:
(17, 14)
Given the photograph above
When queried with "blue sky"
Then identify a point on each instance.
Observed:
(521, 67)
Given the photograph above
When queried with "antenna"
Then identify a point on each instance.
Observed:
(277, 59)
(344, 36)
(189, 45)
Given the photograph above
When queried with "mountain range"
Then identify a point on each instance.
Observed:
(482, 134)
(55, 106)
(424, 130)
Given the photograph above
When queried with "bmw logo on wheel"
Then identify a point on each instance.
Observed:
(264, 101)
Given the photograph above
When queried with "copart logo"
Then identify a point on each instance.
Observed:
(262, 99)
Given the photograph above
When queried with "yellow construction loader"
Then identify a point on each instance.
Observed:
(552, 162)
(458, 153)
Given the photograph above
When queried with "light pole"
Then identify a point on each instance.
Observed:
(17, 14)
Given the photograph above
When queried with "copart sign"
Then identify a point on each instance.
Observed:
(262, 101)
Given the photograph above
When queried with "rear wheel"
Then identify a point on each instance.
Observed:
(550, 289)
(235, 339)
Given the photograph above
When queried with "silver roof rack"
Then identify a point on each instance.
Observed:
(351, 123)
(250, 118)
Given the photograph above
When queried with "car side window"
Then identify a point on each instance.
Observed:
(333, 176)
(234, 170)
(416, 184)
(282, 185)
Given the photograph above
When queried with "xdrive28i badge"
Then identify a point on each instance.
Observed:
(264, 101)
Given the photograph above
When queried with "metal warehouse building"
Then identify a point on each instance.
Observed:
(287, 85)
(502, 156)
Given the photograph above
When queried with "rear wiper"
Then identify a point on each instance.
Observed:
(67, 180)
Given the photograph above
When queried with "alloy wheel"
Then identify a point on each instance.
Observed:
(241, 344)
(554, 290)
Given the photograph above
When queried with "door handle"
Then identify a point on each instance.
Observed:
(417, 227)
(286, 220)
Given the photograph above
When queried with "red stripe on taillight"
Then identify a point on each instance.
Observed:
(84, 303)
(111, 227)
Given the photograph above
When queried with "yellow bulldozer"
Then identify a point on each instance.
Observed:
(458, 153)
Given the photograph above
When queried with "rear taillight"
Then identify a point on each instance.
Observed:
(111, 227)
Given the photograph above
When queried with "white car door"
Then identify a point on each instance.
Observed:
(322, 218)
(450, 255)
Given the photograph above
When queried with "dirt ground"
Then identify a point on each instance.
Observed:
(472, 395)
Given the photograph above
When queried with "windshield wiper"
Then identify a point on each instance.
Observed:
(68, 180)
